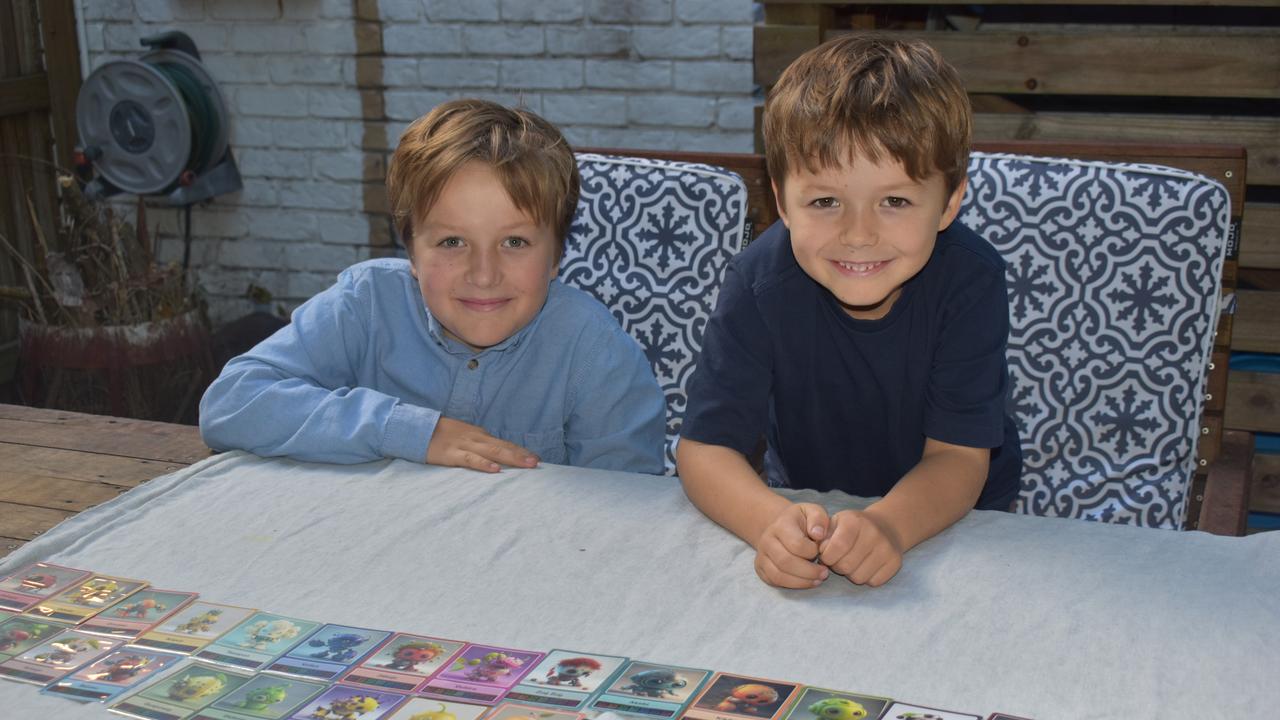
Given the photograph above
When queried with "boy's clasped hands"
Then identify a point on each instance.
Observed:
(804, 544)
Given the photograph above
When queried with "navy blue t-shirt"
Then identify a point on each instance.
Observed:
(847, 404)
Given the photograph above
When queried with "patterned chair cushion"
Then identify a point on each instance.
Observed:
(650, 240)
(1114, 286)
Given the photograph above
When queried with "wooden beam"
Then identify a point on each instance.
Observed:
(1265, 493)
(22, 487)
(1211, 3)
(100, 434)
(1260, 238)
(777, 45)
(1253, 401)
(21, 95)
(1257, 324)
(1225, 507)
(82, 466)
(25, 522)
(62, 63)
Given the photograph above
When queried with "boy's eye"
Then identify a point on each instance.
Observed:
(824, 202)
(896, 202)
(451, 242)
(514, 242)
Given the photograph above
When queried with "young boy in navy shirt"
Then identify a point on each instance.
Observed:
(864, 334)
(470, 353)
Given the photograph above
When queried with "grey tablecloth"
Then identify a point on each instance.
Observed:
(1031, 616)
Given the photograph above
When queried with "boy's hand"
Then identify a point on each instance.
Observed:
(458, 444)
(787, 547)
(862, 547)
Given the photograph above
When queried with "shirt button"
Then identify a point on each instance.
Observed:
(472, 364)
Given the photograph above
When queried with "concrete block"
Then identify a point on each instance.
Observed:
(267, 101)
(334, 103)
(597, 41)
(281, 223)
(421, 39)
(451, 73)
(671, 110)
(330, 38)
(629, 75)
(698, 41)
(727, 77)
(542, 74)
(542, 11)
(503, 40)
(268, 163)
(462, 10)
(307, 70)
(585, 109)
(309, 133)
(243, 10)
(410, 105)
(321, 195)
(629, 11)
(271, 39)
(716, 11)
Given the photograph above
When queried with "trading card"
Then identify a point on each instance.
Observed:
(916, 712)
(257, 640)
(403, 662)
(432, 709)
(566, 679)
(86, 598)
(56, 657)
(650, 690)
(737, 697)
(480, 674)
(112, 675)
(19, 634)
(342, 702)
(1002, 716)
(264, 697)
(517, 711)
(182, 693)
(137, 613)
(193, 627)
(816, 703)
(328, 652)
(35, 582)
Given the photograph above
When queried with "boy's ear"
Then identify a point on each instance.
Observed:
(953, 205)
(777, 198)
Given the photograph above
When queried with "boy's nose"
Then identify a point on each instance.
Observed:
(859, 231)
(482, 270)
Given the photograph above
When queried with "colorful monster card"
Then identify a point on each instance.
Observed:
(257, 640)
(137, 613)
(404, 662)
(736, 697)
(193, 627)
(19, 634)
(818, 704)
(112, 675)
(650, 690)
(265, 697)
(328, 652)
(430, 709)
(342, 702)
(182, 693)
(86, 598)
(902, 710)
(566, 680)
(36, 582)
(480, 674)
(56, 657)
(516, 711)
(1002, 716)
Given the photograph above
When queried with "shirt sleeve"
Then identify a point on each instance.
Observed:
(730, 387)
(969, 377)
(295, 394)
(617, 416)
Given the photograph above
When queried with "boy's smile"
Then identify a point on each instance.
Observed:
(863, 229)
(483, 265)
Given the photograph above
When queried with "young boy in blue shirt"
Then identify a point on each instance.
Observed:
(470, 353)
(864, 335)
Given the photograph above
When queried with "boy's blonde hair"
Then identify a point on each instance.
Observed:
(530, 156)
(870, 94)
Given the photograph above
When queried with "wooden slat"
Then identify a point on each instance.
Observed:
(1265, 493)
(24, 94)
(100, 434)
(1257, 323)
(1260, 237)
(1253, 401)
(82, 466)
(775, 46)
(62, 63)
(26, 488)
(1224, 506)
(1177, 64)
(9, 544)
(1212, 3)
(25, 522)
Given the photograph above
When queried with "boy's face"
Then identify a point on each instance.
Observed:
(864, 229)
(483, 264)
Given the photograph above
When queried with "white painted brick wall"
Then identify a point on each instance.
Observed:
(672, 74)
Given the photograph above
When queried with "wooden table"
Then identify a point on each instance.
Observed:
(54, 464)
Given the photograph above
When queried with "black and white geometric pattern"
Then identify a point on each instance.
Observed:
(651, 240)
(1114, 277)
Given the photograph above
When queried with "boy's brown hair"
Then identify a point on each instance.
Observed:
(530, 156)
(870, 94)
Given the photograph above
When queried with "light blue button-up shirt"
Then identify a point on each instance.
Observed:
(365, 372)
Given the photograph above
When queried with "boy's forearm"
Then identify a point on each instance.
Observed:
(942, 488)
(721, 483)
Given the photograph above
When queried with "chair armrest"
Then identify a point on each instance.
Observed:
(1226, 491)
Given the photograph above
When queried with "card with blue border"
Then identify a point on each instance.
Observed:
(432, 709)
(919, 712)
(480, 674)
(264, 697)
(404, 662)
(59, 655)
(566, 679)
(815, 703)
(650, 690)
(112, 675)
(341, 702)
(182, 693)
(328, 652)
(257, 641)
(193, 627)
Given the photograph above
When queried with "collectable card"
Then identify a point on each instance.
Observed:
(650, 690)
(20, 633)
(917, 712)
(815, 703)
(193, 627)
(344, 702)
(112, 675)
(403, 662)
(36, 582)
(566, 679)
(264, 697)
(517, 711)
(736, 697)
(1002, 716)
(257, 640)
(480, 674)
(137, 613)
(182, 693)
(432, 709)
(328, 652)
(56, 657)
(86, 598)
